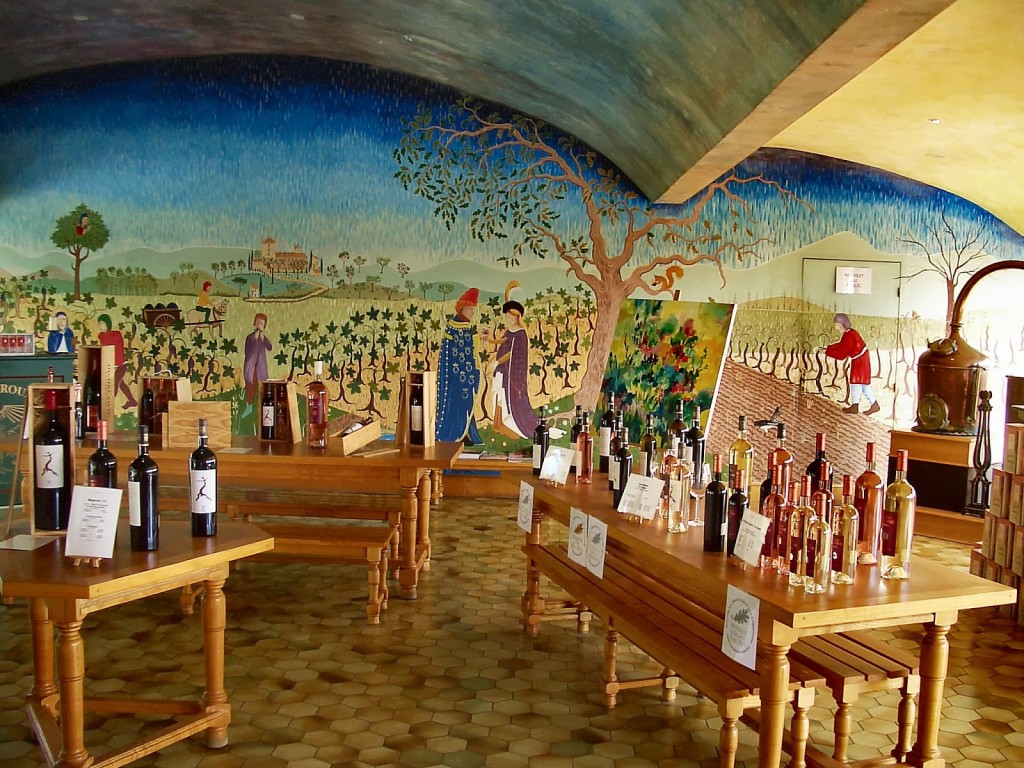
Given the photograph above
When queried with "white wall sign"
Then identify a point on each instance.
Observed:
(853, 280)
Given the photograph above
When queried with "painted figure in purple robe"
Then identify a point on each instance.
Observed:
(513, 413)
(254, 367)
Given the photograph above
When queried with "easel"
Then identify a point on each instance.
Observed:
(78, 561)
(17, 470)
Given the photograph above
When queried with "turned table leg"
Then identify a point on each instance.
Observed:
(71, 672)
(774, 689)
(934, 660)
(42, 650)
(214, 622)
(407, 576)
(423, 522)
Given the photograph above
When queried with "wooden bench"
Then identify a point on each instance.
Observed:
(668, 633)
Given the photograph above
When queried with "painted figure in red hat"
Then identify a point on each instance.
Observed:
(458, 382)
(204, 303)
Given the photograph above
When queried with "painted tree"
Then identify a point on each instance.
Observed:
(81, 233)
(515, 176)
(951, 254)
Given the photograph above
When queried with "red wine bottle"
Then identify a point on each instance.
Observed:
(92, 394)
(202, 472)
(738, 502)
(52, 476)
(268, 413)
(416, 414)
(101, 469)
(147, 409)
(715, 502)
(144, 498)
(541, 441)
(819, 482)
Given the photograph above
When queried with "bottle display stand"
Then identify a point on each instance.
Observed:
(166, 389)
(183, 423)
(427, 380)
(287, 428)
(107, 369)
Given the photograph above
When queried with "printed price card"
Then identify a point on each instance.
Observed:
(525, 516)
(642, 496)
(578, 522)
(556, 466)
(93, 522)
(739, 638)
(750, 539)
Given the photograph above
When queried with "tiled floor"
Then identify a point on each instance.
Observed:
(451, 679)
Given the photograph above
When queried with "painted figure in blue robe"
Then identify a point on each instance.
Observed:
(458, 377)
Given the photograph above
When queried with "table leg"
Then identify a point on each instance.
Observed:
(71, 672)
(436, 485)
(934, 660)
(43, 684)
(214, 622)
(407, 576)
(423, 496)
(774, 688)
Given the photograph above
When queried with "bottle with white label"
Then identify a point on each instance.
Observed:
(52, 486)
(202, 472)
(416, 412)
(144, 498)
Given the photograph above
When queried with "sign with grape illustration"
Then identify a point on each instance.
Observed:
(739, 638)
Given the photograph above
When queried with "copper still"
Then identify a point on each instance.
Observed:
(950, 374)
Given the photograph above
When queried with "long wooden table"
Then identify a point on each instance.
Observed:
(62, 593)
(933, 596)
(251, 467)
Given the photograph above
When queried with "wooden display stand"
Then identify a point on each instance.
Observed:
(353, 441)
(166, 389)
(183, 423)
(36, 417)
(287, 428)
(939, 467)
(86, 357)
(427, 381)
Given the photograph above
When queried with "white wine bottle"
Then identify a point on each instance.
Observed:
(898, 522)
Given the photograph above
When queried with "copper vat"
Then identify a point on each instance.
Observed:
(951, 373)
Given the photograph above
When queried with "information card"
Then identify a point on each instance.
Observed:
(739, 638)
(642, 496)
(557, 463)
(750, 539)
(92, 525)
(525, 516)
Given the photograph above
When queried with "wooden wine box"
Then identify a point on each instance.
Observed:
(287, 427)
(183, 423)
(103, 357)
(353, 441)
(427, 382)
(166, 389)
(36, 418)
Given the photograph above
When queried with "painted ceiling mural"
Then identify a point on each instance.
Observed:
(360, 213)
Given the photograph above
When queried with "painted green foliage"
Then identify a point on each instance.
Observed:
(80, 233)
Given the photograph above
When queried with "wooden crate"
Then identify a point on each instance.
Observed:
(288, 428)
(166, 389)
(86, 355)
(428, 381)
(353, 441)
(36, 418)
(183, 423)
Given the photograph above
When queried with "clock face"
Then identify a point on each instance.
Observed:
(932, 412)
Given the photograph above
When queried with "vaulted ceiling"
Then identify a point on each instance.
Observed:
(673, 91)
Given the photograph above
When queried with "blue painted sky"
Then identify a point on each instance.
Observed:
(225, 151)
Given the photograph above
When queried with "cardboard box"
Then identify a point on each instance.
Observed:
(1012, 580)
(977, 562)
(1004, 543)
(988, 536)
(999, 493)
(1014, 441)
(992, 570)
(1014, 510)
(1017, 551)
(287, 427)
(183, 423)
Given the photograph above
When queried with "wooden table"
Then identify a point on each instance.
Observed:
(933, 596)
(253, 466)
(64, 594)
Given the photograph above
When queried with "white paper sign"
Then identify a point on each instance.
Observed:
(739, 638)
(597, 540)
(556, 466)
(642, 496)
(853, 280)
(750, 539)
(578, 522)
(525, 517)
(93, 521)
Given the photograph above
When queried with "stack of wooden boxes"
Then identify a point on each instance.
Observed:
(1000, 555)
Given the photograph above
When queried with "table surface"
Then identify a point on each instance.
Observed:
(931, 588)
(45, 572)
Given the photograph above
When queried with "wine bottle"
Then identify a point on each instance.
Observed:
(613, 452)
(844, 536)
(268, 413)
(773, 506)
(605, 433)
(715, 517)
(415, 413)
(316, 410)
(101, 467)
(814, 468)
(541, 439)
(574, 435)
(585, 453)
(868, 493)
(202, 472)
(741, 455)
(648, 449)
(768, 483)
(817, 554)
(678, 496)
(147, 409)
(93, 397)
(52, 470)
(76, 388)
(144, 498)
(737, 509)
(822, 499)
(799, 517)
(677, 431)
(783, 458)
(624, 466)
(697, 441)
(898, 522)
(782, 537)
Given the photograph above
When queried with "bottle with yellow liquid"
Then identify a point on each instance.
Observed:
(898, 508)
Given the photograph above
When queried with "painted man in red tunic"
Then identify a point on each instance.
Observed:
(852, 347)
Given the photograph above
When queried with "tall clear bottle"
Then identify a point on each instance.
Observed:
(782, 456)
(605, 432)
(649, 449)
(52, 470)
(202, 472)
(101, 467)
(574, 435)
(844, 536)
(541, 441)
(698, 448)
(716, 520)
(799, 517)
(585, 453)
(783, 539)
(143, 498)
(868, 494)
(623, 465)
(898, 522)
(768, 483)
(678, 494)
(773, 506)
(738, 503)
(814, 468)
(817, 554)
(316, 410)
(79, 412)
(822, 498)
(741, 455)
